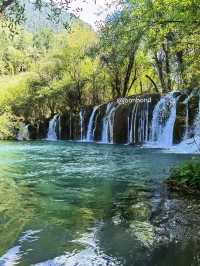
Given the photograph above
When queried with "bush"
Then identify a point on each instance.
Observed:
(7, 126)
(185, 177)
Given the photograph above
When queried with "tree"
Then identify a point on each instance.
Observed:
(119, 43)
(172, 39)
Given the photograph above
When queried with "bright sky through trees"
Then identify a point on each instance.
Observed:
(92, 10)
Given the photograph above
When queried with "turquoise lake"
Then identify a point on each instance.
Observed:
(81, 204)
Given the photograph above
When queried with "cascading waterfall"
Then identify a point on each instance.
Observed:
(70, 125)
(132, 123)
(104, 137)
(90, 131)
(147, 124)
(164, 116)
(53, 123)
(81, 124)
(138, 129)
(59, 127)
(186, 120)
(128, 122)
(108, 123)
(186, 102)
(190, 145)
(23, 133)
(197, 122)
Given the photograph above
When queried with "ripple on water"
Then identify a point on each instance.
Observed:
(75, 204)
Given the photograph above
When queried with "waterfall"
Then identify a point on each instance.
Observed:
(190, 145)
(128, 135)
(164, 116)
(108, 123)
(197, 122)
(139, 123)
(23, 133)
(81, 124)
(59, 127)
(186, 102)
(147, 124)
(186, 120)
(53, 123)
(70, 125)
(90, 131)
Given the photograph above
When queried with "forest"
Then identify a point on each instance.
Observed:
(143, 46)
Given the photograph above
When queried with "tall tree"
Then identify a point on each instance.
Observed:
(119, 42)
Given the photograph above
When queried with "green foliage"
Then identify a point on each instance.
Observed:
(186, 175)
(7, 125)
(43, 73)
(165, 33)
(145, 46)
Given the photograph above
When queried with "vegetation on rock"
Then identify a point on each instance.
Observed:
(186, 177)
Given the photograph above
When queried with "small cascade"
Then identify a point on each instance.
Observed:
(70, 125)
(138, 130)
(197, 122)
(164, 116)
(186, 120)
(128, 126)
(147, 123)
(91, 126)
(187, 131)
(59, 127)
(108, 123)
(190, 144)
(81, 124)
(23, 133)
(53, 123)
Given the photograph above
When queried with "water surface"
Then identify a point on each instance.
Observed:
(79, 204)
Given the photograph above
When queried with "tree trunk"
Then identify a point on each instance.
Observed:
(141, 87)
(167, 67)
(128, 72)
(154, 84)
(159, 66)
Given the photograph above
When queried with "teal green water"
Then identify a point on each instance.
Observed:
(65, 203)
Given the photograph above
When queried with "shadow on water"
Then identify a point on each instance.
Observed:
(66, 203)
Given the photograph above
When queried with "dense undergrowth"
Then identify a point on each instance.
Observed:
(185, 177)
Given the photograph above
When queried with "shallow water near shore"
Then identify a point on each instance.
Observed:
(70, 203)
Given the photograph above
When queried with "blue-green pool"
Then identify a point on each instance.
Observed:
(79, 204)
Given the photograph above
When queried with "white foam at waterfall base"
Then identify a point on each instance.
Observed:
(51, 135)
(187, 146)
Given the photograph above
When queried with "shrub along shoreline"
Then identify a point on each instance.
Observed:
(186, 177)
